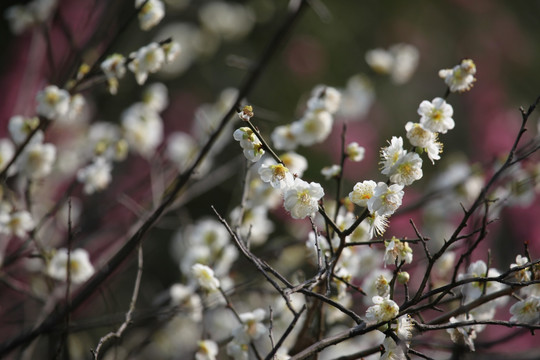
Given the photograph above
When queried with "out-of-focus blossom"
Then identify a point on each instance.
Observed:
(230, 21)
(114, 68)
(156, 96)
(355, 152)
(392, 351)
(37, 159)
(7, 150)
(461, 77)
(208, 350)
(314, 127)
(526, 311)
(356, 98)
(324, 98)
(17, 223)
(52, 102)
(400, 61)
(205, 277)
(143, 128)
(181, 149)
(96, 176)
(150, 13)
(20, 127)
(148, 59)
(296, 163)
(80, 267)
(462, 334)
(330, 172)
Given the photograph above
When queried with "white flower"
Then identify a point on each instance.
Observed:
(302, 198)
(355, 152)
(357, 98)
(384, 309)
(314, 127)
(205, 277)
(19, 127)
(20, 18)
(171, 49)
(523, 274)
(461, 77)
(436, 116)
(255, 224)
(252, 327)
(208, 350)
(18, 223)
(37, 160)
(391, 154)
(397, 250)
(231, 21)
(114, 68)
(246, 113)
(52, 102)
(405, 327)
(392, 351)
(96, 176)
(462, 334)
(181, 149)
(277, 175)
(143, 128)
(407, 169)
(150, 14)
(330, 172)
(377, 224)
(324, 98)
(250, 143)
(296, 163)
(238, 351)
(148, 59)
(80, 267)
(283, 138)
(386, 199)
(362, 192)
(380, 60)
(405, 62)
(526, 311)
(7, 150)
(420, 137)
(155, 96)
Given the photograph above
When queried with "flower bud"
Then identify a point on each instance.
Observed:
(403, 277)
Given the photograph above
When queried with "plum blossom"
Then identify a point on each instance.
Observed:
(461, 77)
(384, 309)
(436, 116)
(205, 277)
(362, 192)
(53, 102)
(80, 267)
(302, 198)
(386, 199)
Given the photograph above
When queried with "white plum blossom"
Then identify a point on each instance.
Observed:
(461, 77)
(150, 13)
(208, 350)
(283, 138)
(523, 274)
(80, 267)
(250, 143)
(463, 334)
(324, 98)
(384, 309)
(377, 224)
(17, 223)
(156, 96)
(181, 149)
(399, 61)
(37, 160)
(355, 152)
(380, 60)
(436, 116)
(238, 351)
(277, 175)
(362, 192)
(302, 198)
(20, 127)
(313, 128)
(143, 128)
(252, 327)
(391, 154)
(96, 176)
(330, 172)
(52, 102)
(356, 98)
(425, 139)
(7, 150)
(407, 169)
(386, 199)
(104, 140)
(296, 163)
(526, 311)
(230, 21)
(114, 68)
(148, 59)
(255, 224)
(246, 113)
(392, 351)
(397, 250)
(205, 277)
